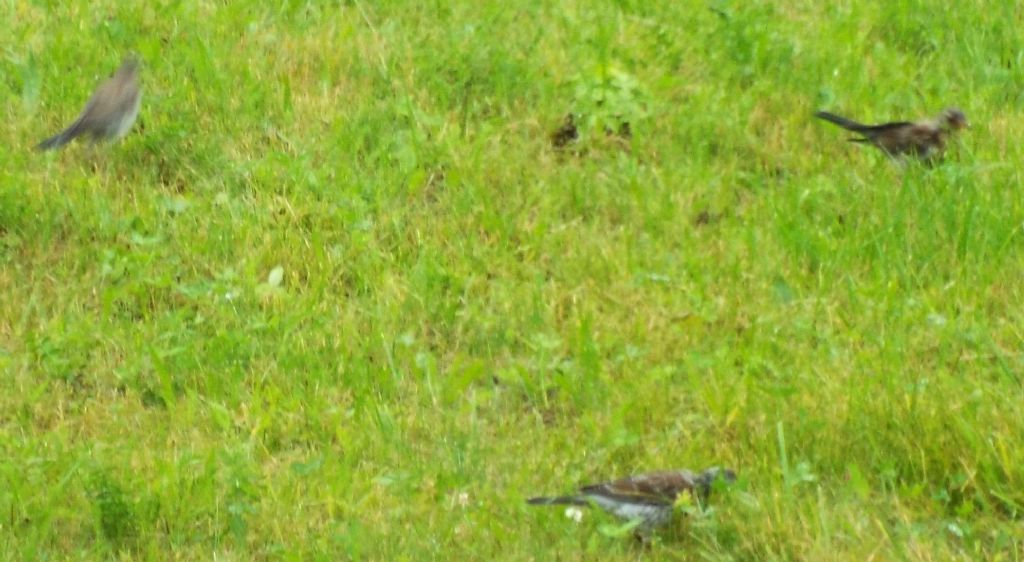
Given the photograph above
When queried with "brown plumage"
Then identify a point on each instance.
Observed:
(648, 497)
(566, 133)
(924, 139)
(110, 112)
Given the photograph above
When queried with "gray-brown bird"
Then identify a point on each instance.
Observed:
(110, 112)
(924, 139)
(649, 497)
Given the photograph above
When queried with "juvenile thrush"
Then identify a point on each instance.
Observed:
(925, 139)
(648, 497)
(110, 112)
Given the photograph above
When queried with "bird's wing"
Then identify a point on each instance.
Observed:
(655, 488)
(927, 141)
(922, 139)
(102, 103)
(926, 134)
(872, 131)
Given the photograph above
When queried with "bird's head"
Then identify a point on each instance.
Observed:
(952, 118)
(706, 479)
(129, 67)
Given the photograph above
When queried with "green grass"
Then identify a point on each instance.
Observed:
(464, 317)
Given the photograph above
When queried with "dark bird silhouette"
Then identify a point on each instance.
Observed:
(110, 112)
(648, 497)
(565, 133)
(924, 139)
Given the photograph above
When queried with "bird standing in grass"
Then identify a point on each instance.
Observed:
(650, 498)
(110, 112)
(565, 133)
(924, 139)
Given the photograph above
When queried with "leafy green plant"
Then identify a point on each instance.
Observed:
(608, 100)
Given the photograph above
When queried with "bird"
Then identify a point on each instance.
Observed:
(649, 498)
(110, 112)
(565, 133)
(925, 139)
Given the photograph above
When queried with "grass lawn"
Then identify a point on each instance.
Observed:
(337, 297)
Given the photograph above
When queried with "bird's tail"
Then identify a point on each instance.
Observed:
(842, 121)
(61, 138)
(56, 141)
(560, 500)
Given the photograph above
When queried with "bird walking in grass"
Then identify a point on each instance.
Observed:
(925, 139)
(110, 112)
(649, 498)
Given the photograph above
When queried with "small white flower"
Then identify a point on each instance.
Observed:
(574, 513)
(458, 499)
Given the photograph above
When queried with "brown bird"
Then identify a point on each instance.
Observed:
(924, 139)
(110, 112)
(649, 497)
(566, 133)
